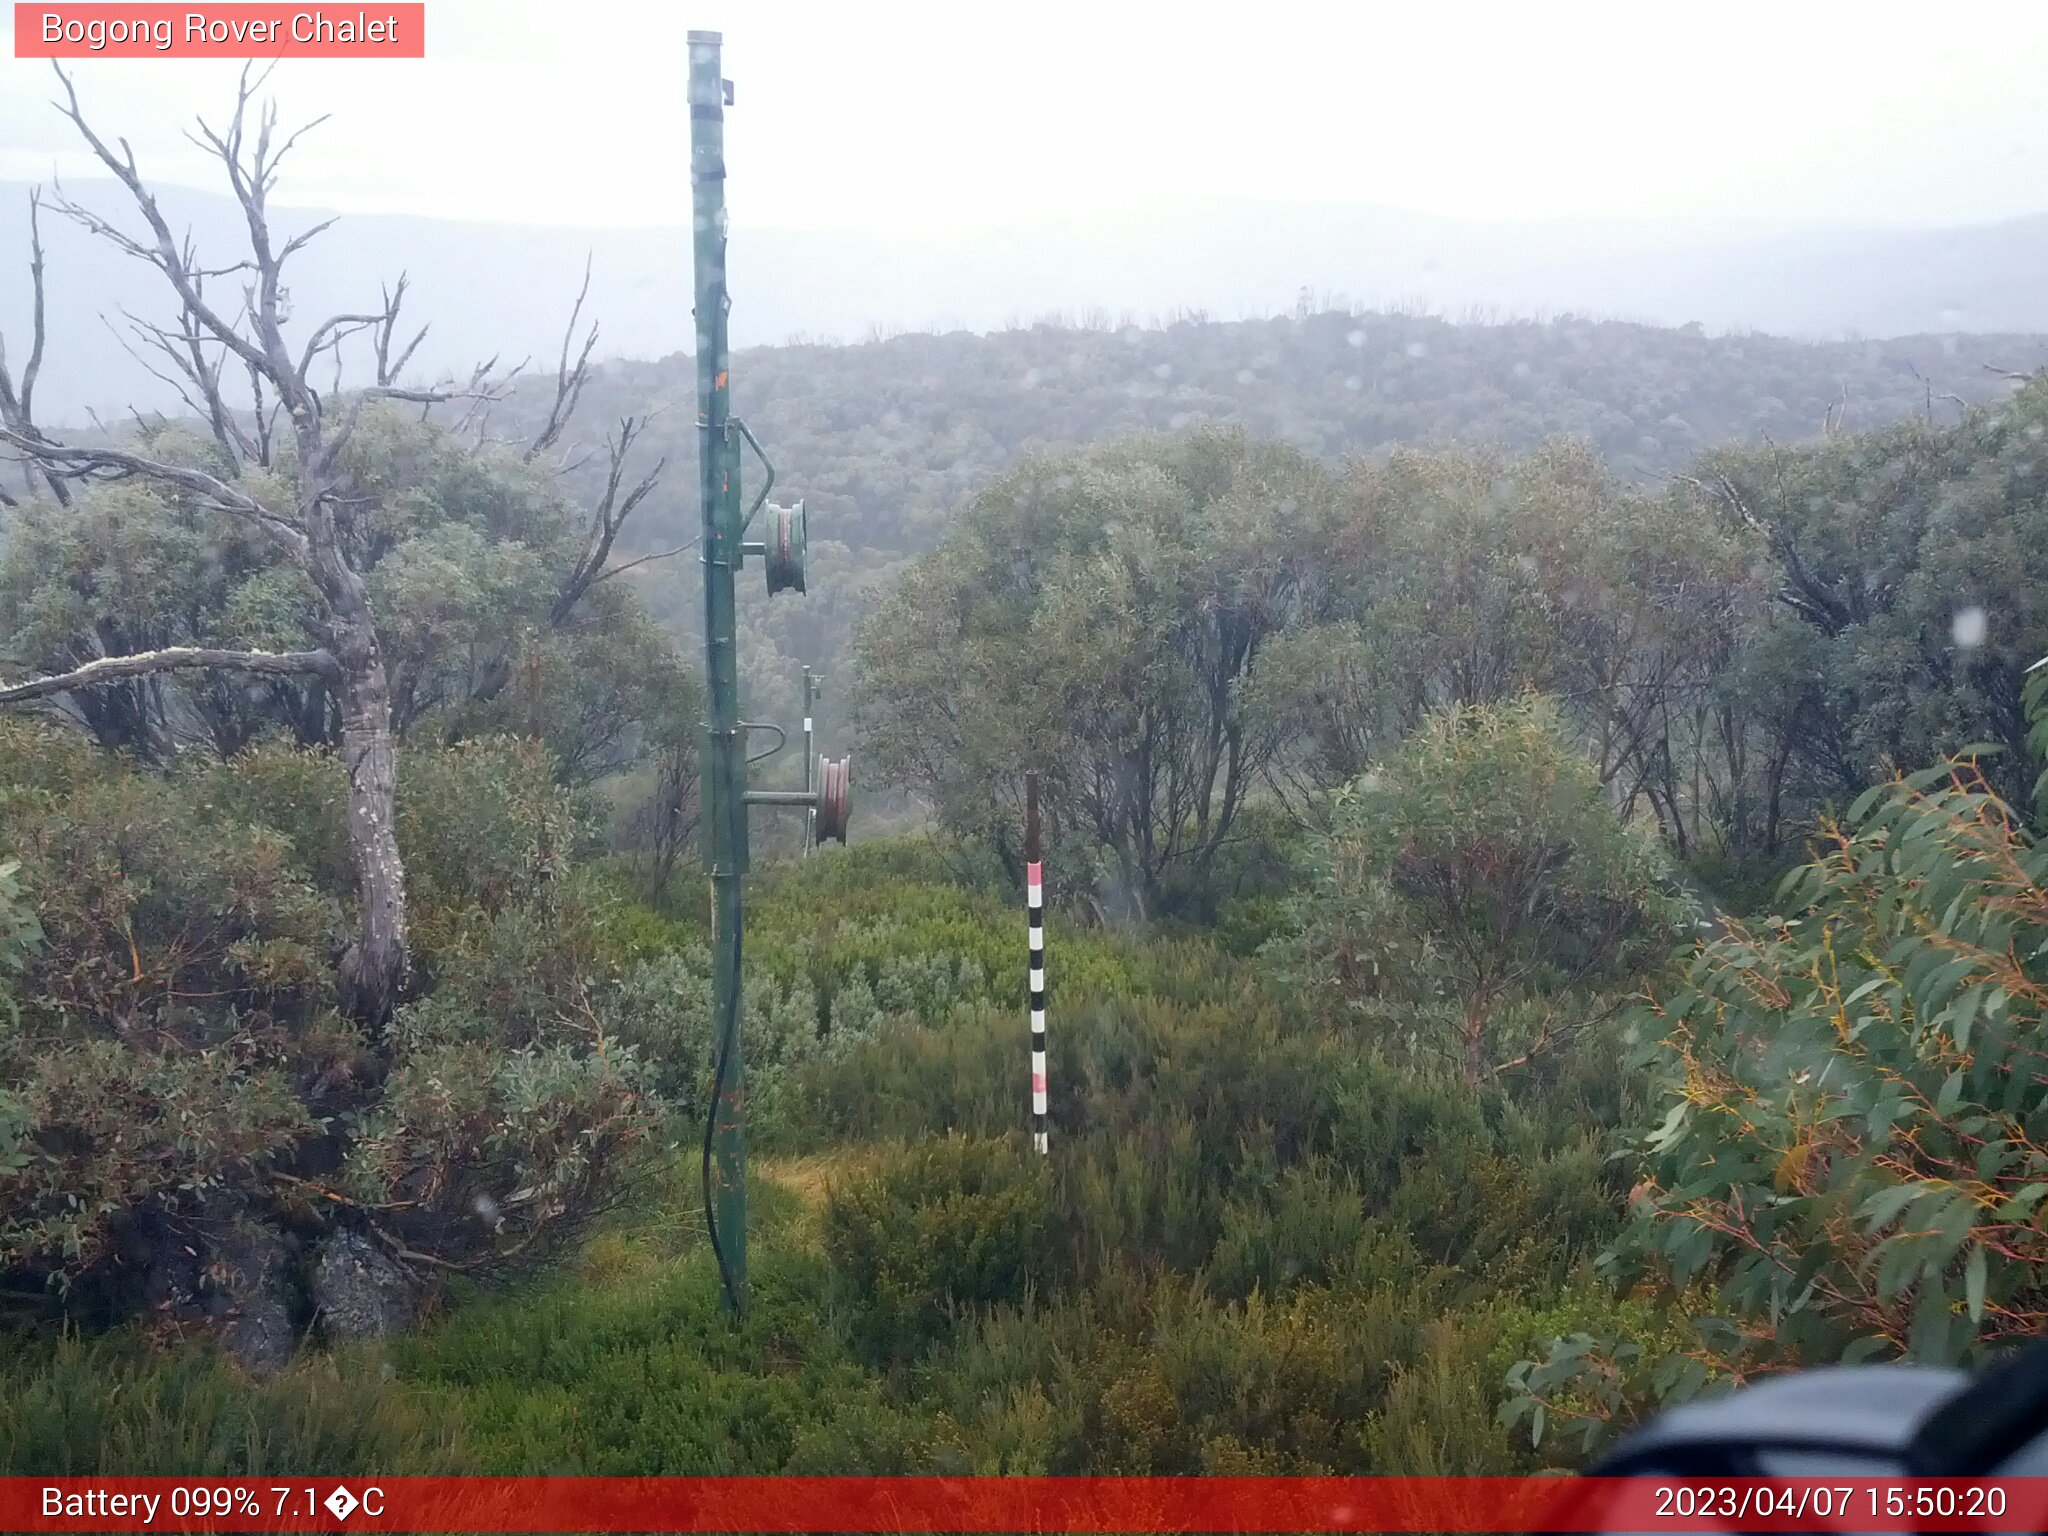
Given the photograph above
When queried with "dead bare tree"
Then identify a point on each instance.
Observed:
(211, 341)
(569, 377)
(18, 405)
(608, 518)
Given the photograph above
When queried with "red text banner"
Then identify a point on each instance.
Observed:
(1021, 1504)
(263, 31)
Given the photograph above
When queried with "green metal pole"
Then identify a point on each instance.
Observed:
(723, 750)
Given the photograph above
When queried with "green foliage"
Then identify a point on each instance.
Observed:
(950, 1225)
(1099, 614)
(130, 1086)
(467, 556)
(485, 824)
(1253, 1248)
(1882, 542)
(113, 1406)
(896, 435)
(1888, 1131)
(174, 1062)
(1303, 1229)
(1476, 892)
(1256, 1247)
(1849, 1151)
(21, 934)
(1744, 884)
(2036, 703)
(1782, 628)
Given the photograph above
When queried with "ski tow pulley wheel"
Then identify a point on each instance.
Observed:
(835, 786)
(784, 554)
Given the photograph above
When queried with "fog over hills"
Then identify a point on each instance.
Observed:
(505, 290)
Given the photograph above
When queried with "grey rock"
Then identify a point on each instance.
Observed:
(360, 1291)
(171, 1282)
(249, 1302)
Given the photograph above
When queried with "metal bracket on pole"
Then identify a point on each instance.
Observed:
(761, 499)
(781, 738)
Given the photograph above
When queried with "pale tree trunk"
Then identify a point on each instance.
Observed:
(1473, 1029)
(374, 967)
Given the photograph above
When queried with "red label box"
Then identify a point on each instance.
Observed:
(242, 31)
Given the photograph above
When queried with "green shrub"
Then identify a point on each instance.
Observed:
(649, 1377)
(1246, 923)
(132, 1088)
(1881, 1048)
(1848, 1157)
(1474, 895)
(176, 1066)
(952, 1224)
(1303, 1230)
(1744, 884)
(115, 1406)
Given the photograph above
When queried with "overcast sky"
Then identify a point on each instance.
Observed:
(883, 115)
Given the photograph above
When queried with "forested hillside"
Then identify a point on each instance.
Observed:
(1237, 255)
(885, 440)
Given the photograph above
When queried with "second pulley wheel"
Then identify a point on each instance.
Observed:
(835, 789)
(783, 555)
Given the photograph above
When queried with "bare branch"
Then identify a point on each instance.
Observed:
(478, 415)
(609, 517)
(205, 372)
(177, 658)
(252, 183)
(264, 417)
(569, 379)
(300, 241)
(428, 396)
(117, 464)
(388, 367)
(191, 372)
(478, 394)
(666, 554)
(17, 409)
(330, 333)
(34, 365)
(164, 254)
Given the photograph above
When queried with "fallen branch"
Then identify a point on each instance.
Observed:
(175, 658)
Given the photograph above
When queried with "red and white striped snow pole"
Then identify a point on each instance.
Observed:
(1034, 909)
